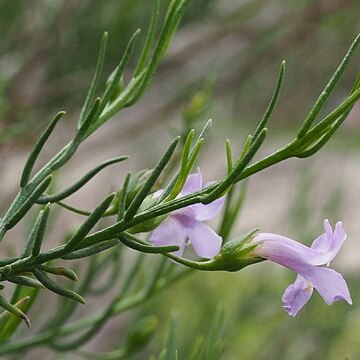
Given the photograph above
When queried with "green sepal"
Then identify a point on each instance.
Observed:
(234, 255)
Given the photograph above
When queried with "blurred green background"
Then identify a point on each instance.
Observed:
(234, 48)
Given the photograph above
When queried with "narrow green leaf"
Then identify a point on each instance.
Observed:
(25, 281)
(324, 139)
(146, 248)
(120, 69)
(272, 103)
(206, 130)
(91, 250)
(328, 89)
(28, 203)
(73, 209)
(56, 288)
(144, 191)
(317, 130)
(37, 149)
(9, 323)
(108, 94)
(60, 271)
(89, 120)
(95, 81)
(65, 154)
(193, 156)
(245, 150)
(40, 232)
(80, 183)
(183, 174)
(122, 198)
(149, 39)
(31, 238)
(89, 223)
(344, 107)
(186, 151)
(8, 260)
(13, 309)
(175, 12)
(121, 101)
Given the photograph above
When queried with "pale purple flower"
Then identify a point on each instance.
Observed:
(185, 226)
(307, 262)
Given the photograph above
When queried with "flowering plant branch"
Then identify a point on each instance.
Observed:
(137, 206)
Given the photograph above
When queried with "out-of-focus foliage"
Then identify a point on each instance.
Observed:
(47, 51)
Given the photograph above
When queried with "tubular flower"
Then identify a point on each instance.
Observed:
(308, 263)
(185, 226)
